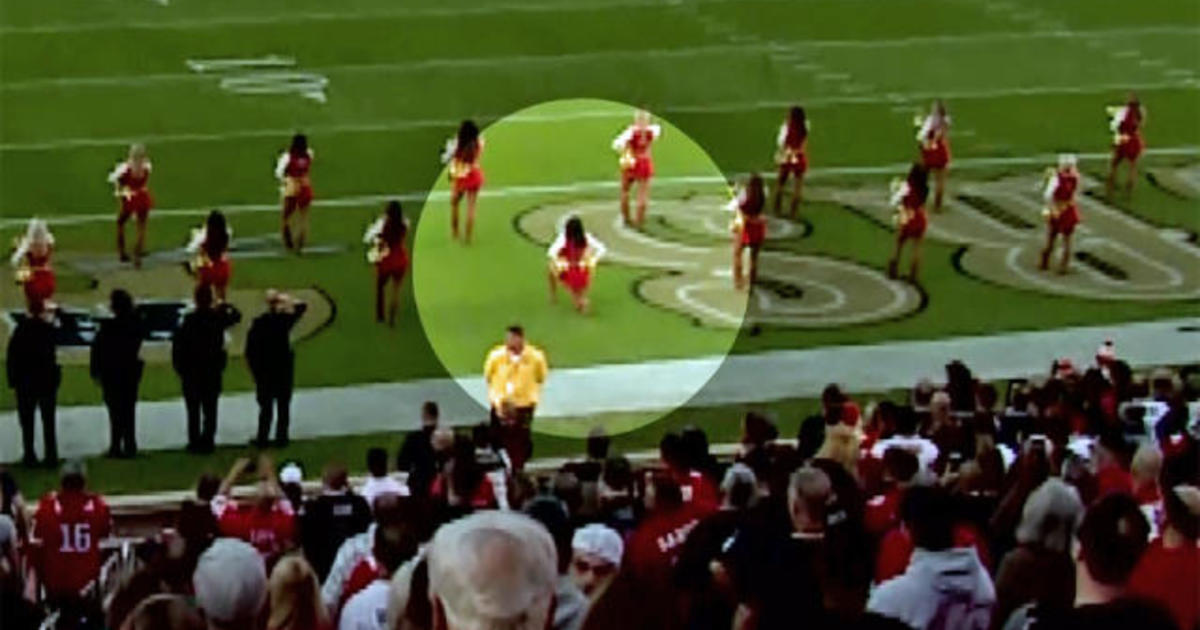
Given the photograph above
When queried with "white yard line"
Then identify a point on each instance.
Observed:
(106, 215)
(778, 49)
(716, 108)
(644, 387)
(301, 17)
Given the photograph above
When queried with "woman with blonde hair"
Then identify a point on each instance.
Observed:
(294, 597)
(841, 446)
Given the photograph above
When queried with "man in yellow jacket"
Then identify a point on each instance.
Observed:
(515, 372)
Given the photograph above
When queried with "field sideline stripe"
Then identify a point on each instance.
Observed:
(682, 51)
(899, 98)
(590, 186)
(299, 17)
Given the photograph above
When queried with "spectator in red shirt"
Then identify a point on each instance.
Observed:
(696, 490)
(655, 544)
(463, 484)
(70, 524)
(1169, 571)
(1112, 465)
(267, 522)
(883, 510)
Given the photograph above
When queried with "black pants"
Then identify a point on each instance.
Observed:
(514, 434)
(121, 400)
(270, 397)
(200, 396)
(29, 401)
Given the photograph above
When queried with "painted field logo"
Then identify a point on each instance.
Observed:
(1117, 256)
(269, 74)
(691, 247)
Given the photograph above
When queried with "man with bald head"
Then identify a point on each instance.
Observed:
(492, 570)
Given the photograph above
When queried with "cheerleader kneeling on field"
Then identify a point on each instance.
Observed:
(908, 197)
(209, 247)
(387, 250)
(749, 228)
(573, 258)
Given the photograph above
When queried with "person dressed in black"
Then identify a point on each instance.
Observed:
(272, 363)
(198, 355)
(330, 518)
(116, 367)
(416, 455)
(34, 375)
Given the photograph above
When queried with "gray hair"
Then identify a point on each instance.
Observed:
(493, 571)
(1051, 514)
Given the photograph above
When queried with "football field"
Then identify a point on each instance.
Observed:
(216, 88)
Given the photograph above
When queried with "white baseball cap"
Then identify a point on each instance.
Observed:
(601, 541)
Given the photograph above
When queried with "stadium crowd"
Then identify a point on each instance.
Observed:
(1073, 503)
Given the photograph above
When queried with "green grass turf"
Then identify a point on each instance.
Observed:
(77, 82)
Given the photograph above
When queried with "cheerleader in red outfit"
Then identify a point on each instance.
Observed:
(35, 273)
(210, 249)
(131, 180)
(749, 228)
(933, 137)
(573, 257)
(466, 177)
(389, 253)
(1062, 214)
(292, 172)
(792, 157)
(908, 197)
(636, 164)
(1126, 124)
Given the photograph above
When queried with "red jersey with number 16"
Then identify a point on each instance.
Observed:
(71, 525)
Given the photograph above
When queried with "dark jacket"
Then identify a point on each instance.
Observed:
(32, 362)
(328, 520)
(114, 359)
(417, 458)
(268, 346)
(198, 349)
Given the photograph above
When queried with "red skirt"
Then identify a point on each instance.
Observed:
(795, 167)
(1130, 149)
(394, 265)
(915, 226)
(754, 232)
(471, 182)
(215, 274)
(41, 285)
(643, 168)
(138, 204)
(1066, 220)
(303, 197)
(576, 277)
(937, 156)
